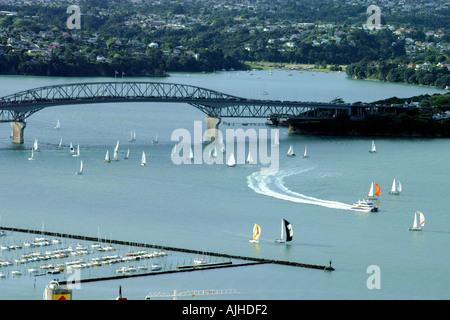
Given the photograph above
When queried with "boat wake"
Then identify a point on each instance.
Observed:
(272, 184)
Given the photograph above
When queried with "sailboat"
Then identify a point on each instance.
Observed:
(107, 159)
(231, 162)
(286, 232)
(417, 225)
(276, 140)
(77, 154)
(291, 152)
(115, 156)
(35, 145)
(128, 154)
(214, 152)
(143, 159)
(81, 168)
(256, 234)
(374, 191)
(396, 187)
(60, 142)
(156, 139)
(32, 155)
(132, 136)
(249, 158)
(58, 125)
(305, 154)
(116, 148)
(374, 148)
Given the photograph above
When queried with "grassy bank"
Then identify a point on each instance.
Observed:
(273, 65)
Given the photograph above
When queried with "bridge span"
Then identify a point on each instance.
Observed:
(16, 108)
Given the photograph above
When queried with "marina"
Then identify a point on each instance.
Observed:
(207, 211)
(81, 251)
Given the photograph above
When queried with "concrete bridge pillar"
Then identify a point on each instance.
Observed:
(212, 123)
(17, 131)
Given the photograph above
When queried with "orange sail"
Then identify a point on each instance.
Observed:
(377, 192)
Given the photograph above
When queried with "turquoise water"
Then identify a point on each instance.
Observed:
(213, 207)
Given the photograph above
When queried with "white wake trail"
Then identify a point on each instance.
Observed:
(272, 184)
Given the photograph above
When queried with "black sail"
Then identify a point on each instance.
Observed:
(289, 231)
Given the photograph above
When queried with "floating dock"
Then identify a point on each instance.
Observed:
(185, 268)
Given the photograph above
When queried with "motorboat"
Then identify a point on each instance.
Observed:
(364, 205)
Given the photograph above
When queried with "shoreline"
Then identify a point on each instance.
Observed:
(304, 66)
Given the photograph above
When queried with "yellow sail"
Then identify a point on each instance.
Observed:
(256, 232)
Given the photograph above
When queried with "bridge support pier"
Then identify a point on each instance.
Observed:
(212, 123)
(18, 129)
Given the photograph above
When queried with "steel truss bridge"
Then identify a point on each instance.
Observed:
(17, 107)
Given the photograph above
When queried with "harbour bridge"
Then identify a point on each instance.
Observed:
(17, 107)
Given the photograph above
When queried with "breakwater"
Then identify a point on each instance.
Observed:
(252, 260)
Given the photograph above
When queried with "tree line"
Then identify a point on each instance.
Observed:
(383, 70)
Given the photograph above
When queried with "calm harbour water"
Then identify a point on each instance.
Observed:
(213, 207)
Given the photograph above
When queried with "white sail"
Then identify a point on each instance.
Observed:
(143, 159)
(174, 151)
(291, 152)
(77, 154)
(374, 148)
(132, 136)
(421, 219)
(58, 125)
(396, 187)
(81, 168)
(107, 159)
(214, 152)
(231, 162)
(71, 147)
(35, 145)
(128, 154)
(418, 224)
(305, 154)
(115, 156)
(276, 140)
(156, 139)
(117, 146)
(60, 142)
(32, 154)
(249, 158)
